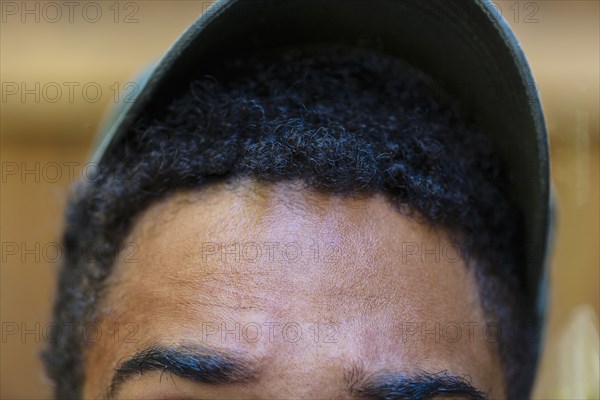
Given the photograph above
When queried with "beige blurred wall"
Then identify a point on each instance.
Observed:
(563, 49)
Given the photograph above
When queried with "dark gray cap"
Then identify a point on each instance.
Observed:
(464, 45)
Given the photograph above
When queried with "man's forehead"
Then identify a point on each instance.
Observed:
(239, 270)
(224, 256)
(253, 244)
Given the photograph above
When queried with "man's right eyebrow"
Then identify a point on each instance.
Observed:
(195, 363)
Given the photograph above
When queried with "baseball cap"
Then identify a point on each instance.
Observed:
(465, 46)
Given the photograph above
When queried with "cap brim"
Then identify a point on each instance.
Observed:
(465, 46)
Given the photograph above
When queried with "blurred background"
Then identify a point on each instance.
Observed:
(62, 64)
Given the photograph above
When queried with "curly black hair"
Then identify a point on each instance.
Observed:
(342, 120)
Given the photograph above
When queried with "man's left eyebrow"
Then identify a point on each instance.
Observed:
(196, 363)
(422, 386)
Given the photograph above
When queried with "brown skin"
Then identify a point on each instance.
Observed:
(359, 292)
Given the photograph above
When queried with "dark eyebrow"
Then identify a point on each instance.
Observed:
(198, 364)
(203, 365)
(420, 386)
